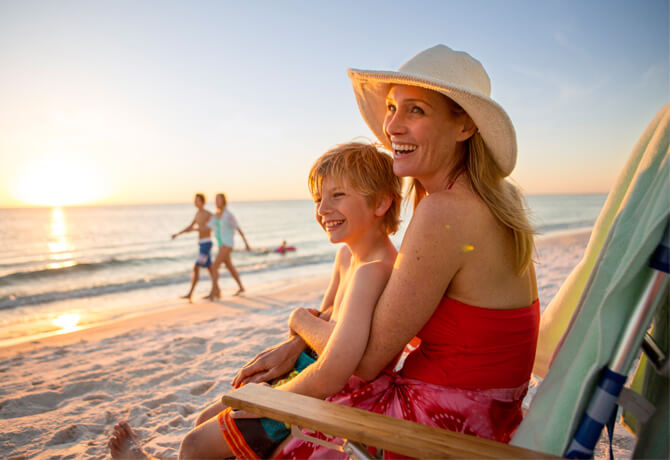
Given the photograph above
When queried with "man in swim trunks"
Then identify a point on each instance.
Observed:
(200, 222)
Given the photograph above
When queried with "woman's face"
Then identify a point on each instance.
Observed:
(219, 201)
(423, 131)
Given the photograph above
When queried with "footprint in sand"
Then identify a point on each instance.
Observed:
(154, 403)
(110, 417)
(186, 410)
(98, 397)
(177, 421)
(66, 435)
(216, 347)
(201, 388)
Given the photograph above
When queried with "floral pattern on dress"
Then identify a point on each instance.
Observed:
(491, 413)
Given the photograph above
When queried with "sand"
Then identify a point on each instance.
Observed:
(60, 396)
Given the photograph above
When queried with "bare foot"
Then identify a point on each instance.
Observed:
(125, 444)
(187, 296)
(213, 295)
(239, 291)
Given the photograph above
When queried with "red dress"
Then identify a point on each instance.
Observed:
(469, 374)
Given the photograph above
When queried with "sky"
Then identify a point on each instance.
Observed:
(122, 102)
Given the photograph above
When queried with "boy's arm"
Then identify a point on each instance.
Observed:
(347, 343)
(315, 330)
(329, 296)
(277, 360)
(190, 228)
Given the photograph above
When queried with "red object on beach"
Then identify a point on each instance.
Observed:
(282, 249)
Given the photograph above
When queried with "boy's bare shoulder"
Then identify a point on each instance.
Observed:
(343, 256)
(203, 214)
(379, 269)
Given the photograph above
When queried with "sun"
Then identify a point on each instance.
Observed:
(58, 182)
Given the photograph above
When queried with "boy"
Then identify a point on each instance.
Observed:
(357, 202)
(201, 223)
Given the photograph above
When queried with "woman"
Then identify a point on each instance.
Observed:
(224, 225)
(463, 281)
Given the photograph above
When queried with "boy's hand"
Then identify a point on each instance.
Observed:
(270, 363)
(299, 313)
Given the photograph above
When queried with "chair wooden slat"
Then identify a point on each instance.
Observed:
(388, 433)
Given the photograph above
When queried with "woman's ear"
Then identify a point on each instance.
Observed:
(383, 205)
(468, 129)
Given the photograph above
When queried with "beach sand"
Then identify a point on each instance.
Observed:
(60, 396)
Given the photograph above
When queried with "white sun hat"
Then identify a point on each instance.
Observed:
(455, 74)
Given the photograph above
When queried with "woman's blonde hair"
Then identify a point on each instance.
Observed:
(368, 170)
(501, 196)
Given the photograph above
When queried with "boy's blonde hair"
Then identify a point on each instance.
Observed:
(368, 170)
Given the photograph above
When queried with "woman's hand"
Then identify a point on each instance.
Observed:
(270, 363)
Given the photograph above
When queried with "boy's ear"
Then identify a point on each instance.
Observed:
(383, 205)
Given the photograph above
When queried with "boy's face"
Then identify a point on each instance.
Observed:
(343, 212)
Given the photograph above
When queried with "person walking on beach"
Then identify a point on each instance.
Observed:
(201, 223)
(357, 202)
(224, 225)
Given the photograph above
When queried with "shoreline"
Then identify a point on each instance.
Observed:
(156, 307)
(173, 313)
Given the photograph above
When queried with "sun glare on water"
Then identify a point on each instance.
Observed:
(67, 322)
(59, 246)
(61, 182)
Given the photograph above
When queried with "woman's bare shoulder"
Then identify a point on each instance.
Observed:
(452, 206)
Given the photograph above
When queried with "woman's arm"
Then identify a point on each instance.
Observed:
(244, 238)
(349, 338)
(430, 255)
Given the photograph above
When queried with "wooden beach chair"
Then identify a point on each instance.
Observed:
(594, 327)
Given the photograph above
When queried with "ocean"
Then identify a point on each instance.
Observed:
(73, 267)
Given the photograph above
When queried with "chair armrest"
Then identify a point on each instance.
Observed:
(388, 433)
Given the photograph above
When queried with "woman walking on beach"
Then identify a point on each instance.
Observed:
(224, 225)
(463, 281)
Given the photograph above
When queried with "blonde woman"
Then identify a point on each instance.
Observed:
(463, 281)
(224, 224)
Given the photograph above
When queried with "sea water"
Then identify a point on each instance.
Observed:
(73, 267)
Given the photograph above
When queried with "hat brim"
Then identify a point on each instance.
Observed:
(493, 123)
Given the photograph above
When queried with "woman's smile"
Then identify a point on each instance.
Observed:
(402, 150)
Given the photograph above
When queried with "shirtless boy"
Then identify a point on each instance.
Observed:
(200, 223)
(357, 202)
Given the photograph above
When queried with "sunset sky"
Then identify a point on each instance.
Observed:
(152, 101)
